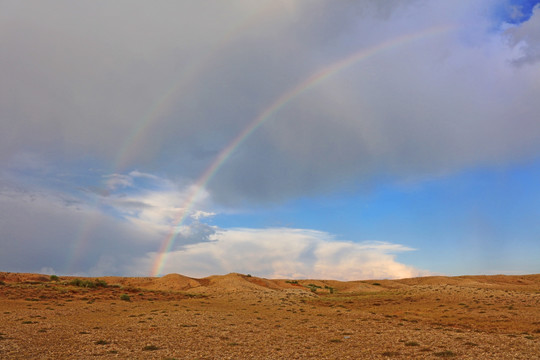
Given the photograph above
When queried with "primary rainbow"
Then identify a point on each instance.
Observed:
(312, 81)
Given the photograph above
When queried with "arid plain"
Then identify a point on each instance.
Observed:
(239, 316)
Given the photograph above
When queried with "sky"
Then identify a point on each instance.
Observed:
(326, 139)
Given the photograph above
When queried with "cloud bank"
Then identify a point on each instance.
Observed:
(286, 253)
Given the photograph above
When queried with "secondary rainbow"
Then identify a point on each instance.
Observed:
(284, 99)
(183, 81)
(141, 127)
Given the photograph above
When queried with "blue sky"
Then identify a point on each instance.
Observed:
(416, 152)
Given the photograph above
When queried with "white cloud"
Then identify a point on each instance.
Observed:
(157, 204)
(199, 214)
(526, 37)
(284, 253)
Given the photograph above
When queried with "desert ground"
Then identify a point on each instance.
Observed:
(239, 316)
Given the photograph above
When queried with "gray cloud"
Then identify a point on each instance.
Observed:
(40, 230)
(164, 89)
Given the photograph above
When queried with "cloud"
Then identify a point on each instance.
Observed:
(285, 253)
(93, 232)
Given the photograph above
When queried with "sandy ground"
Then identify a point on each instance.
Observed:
(241, 317)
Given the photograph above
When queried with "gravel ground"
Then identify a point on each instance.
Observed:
(58, 321)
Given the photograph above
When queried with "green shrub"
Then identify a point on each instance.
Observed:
(100, 283)
(54, 278)
(125, 297)
(82, 283)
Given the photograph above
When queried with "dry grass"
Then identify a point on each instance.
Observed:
(241, 317)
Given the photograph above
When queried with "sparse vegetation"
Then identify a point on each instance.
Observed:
(125, 297)
(54, 278)
(88, 283)
(313, 287)
(102, 342)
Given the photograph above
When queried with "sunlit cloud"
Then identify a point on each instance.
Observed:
(286, 253)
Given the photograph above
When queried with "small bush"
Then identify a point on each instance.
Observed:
(125, 297)
(292, 281)
(102, 342)
(54, 278)
(248, 275)
(82, 283)
(150, 348)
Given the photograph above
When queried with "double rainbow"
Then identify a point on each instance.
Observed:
(312, 81)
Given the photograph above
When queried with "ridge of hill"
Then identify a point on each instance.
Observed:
(235, 282)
